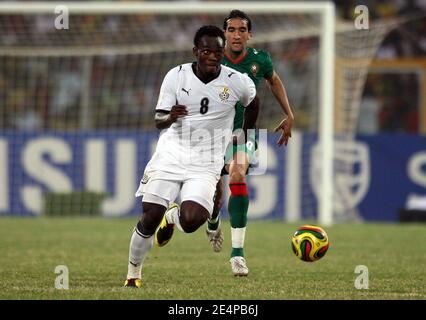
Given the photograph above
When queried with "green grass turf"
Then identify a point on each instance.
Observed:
(95, 250)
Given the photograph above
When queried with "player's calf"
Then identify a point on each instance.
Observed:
(214, 221)
(151, 218)
(141, 242)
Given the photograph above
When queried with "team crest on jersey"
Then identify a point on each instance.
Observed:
(224, 95)
(254, 68)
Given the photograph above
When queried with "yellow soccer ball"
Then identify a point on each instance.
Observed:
(310, 243)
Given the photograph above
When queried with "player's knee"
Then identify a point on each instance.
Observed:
(237, 176)
(192, 217)
(191, 222)
(151, 218)
(189, 226)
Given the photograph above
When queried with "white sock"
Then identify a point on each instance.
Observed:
(238, 235)
(139, 248)
(172, 216)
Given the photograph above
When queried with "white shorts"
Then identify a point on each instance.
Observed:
(200, 189)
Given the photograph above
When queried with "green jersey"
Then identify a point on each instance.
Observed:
(257, 64)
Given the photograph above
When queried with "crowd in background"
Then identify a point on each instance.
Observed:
(121, 91)
(391, 99)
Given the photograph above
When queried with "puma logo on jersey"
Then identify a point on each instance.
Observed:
(187, 91)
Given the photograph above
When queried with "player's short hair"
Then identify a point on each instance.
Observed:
(237, 14)
(210, 31)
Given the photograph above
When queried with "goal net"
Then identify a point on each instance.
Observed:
(78, 95)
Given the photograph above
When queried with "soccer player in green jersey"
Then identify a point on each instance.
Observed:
(257, 64)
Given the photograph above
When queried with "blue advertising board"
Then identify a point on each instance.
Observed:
(381, 173)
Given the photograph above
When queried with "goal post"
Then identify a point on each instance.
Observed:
(325, 10)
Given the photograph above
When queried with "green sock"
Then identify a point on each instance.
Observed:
(237, 252)
(238, 207)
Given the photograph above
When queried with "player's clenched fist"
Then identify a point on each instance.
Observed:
(178, 111)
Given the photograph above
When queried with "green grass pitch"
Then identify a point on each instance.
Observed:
(95, 250)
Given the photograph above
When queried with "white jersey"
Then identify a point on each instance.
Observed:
(197, 142)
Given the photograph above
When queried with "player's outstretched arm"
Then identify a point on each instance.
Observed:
(278, 89)
(164, 120)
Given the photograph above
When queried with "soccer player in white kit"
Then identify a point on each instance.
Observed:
(196, 107)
